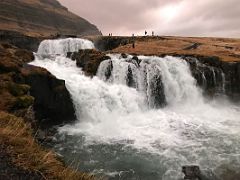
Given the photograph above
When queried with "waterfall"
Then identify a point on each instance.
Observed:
(62, 46)
(209, 78)
(161, 80)
(146, 115)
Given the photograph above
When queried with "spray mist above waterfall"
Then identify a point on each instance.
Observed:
(151, 105)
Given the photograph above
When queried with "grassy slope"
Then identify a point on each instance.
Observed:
(28, 154)
(42, 18)
(225, 48)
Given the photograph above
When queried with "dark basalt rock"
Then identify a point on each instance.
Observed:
(110, 43)
(19, 40)
(109, 69)
(88, 60)
(130, 79)
(137, 60)
(52, 104)
(216, 76)
(191, 172)
(23, 86)
(123, 55)
(157, 94)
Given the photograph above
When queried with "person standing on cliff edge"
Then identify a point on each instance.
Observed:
(133, 41)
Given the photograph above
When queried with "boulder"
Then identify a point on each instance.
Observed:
(123, 55)
(191, 172)
(88, 60)
(52, 104)
(23, 86)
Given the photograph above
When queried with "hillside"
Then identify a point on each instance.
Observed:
(42, 18)
(226, 49)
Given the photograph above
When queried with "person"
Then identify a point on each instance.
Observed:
(145, 33)
(133, 44)
(152, 33)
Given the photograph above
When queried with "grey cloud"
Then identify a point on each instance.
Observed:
(193, 18)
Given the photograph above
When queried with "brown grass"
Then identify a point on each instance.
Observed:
(225, 48)
(27, 154)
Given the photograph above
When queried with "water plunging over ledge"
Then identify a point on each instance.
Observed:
(141, 120)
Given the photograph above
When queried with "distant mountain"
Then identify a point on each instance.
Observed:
(42, 18)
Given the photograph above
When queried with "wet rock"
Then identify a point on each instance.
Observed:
(157, 93)
(52, 104)
(109, 43)
(137, 60)
(23, 86)
(109, 69)
(123, 55)
(192, 172)
(130, 80)
(216, 76)
(88, 60)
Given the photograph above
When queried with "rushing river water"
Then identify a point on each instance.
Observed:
(141, 121)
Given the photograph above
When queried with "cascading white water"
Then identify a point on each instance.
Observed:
(189, 130)
(62, 46)
(178, 84)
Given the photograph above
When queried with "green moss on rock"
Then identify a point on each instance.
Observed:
(24, 101)
(18, 89)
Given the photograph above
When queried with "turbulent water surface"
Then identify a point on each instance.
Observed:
(142, 120)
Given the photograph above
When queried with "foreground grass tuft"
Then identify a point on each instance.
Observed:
(27, 154)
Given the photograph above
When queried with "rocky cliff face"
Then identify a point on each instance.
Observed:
(216, 76)
(23, 86)
(20, 40)
(42, 18)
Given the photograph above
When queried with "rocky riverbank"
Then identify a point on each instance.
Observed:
(32, 101)
(23, 85)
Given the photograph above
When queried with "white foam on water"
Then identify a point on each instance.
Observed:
(189, 130)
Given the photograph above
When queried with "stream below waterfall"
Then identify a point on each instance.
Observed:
(141, 121)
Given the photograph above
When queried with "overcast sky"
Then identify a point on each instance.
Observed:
(164, 17)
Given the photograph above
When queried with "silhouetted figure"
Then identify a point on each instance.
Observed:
(152, 33)
(133, 44)
(109, 34)
(145, 33)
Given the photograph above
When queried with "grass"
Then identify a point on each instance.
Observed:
(225, 48)
(28, 154)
